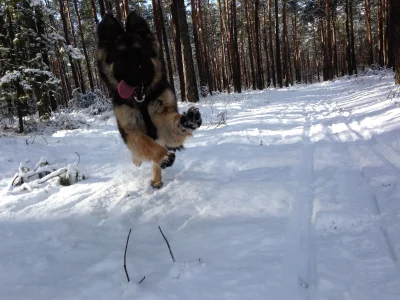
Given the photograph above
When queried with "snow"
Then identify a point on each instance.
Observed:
(295, 197)
(9, 77)
(74, 52)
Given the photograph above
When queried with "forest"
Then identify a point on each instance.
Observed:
(48, 47)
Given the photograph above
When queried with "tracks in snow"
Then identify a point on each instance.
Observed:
(298, 275)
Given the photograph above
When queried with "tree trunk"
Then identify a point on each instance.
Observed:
(250, 47)
(266, 47)
(235, 50)
(348, 40)
(329, 69)
(157, 23)
(367, 4)
(271, 47)
(205, 44)
(225, 79)
(278, 47)
(395, 33)
(190, 75)
(49, 101)
(126, 8)
(94, 11)
(178, 48)
(284, 45)
(102, 8)
(200, 64)
(66, 37)
(352, 48)
(89, 70)
(118, 10)
(166, 46)
(78, 62)
(260, 83)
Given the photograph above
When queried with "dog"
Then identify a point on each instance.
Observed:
(131, 64)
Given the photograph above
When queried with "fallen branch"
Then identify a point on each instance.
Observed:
(170, 251)
(126, 247)
(79, 158)
(144, 277)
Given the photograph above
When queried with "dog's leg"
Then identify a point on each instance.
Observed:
(156, 179)
(144, 148)
(136, 162)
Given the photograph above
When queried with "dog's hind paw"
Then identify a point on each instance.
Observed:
(168, 160)
(191, 119)
(156, 185)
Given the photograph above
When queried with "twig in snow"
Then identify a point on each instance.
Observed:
(144, 277)
(45, 139)
(126, 247)
(15, 178)
(170, 251)
(79, 158)
(34, 138)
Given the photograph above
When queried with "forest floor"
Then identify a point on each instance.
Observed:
(282, 194)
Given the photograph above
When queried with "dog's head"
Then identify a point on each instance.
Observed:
(128, 58)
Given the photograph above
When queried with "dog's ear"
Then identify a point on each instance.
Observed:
(109, 29)
(135, 24)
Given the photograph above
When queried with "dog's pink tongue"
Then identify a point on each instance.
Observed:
(125, 90)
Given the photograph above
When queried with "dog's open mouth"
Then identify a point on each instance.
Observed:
(126, 91)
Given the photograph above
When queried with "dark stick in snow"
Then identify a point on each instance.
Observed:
(170, 251)
(126, 247)
(79, 158)
(144, 277)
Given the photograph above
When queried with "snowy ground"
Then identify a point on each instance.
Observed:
(297, 197)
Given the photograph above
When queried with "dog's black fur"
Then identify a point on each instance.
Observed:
(148, 121)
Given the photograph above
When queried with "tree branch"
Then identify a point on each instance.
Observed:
(170, 251)
(126, 247)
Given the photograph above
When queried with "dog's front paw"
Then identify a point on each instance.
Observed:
(156, 184)
(168, 160)
(191, 119)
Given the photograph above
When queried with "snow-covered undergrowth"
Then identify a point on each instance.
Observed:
(282, 194)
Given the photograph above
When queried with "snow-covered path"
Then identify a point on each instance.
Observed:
(298, 197)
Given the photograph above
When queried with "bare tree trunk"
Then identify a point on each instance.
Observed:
(271, 47)
(66, 37)
(297, 63)
(78, 62)
(89, 70)
(352, 48)
(250, 46)
(225, 79)
(395, 34)
(367, 4)
(188, 67)
(178, 49)
(118, 9)
(329, 70)
(49, 101)
(284, 44)
(102, 8)
(94, 11)
(266, 46)
(204, 43)
(126, 8)
(260, 82)
(278, 47)
(334, 43)
(166, 46)
(157, 23)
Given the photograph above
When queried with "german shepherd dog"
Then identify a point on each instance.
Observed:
(145, 106)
